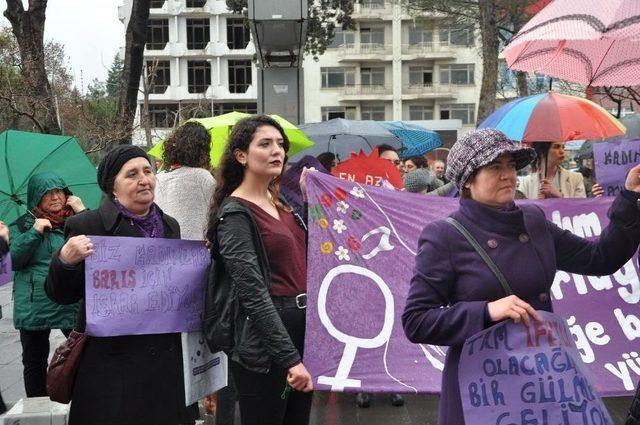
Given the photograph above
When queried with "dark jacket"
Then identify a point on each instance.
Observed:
(30, 256)
(238, 290)
(452, 285)
(129, 380)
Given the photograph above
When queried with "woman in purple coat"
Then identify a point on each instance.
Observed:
(454, 294)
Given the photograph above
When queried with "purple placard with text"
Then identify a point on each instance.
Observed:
(137, 286)
(6, 274)
(613, 160)
(517, 373)
(362, 246)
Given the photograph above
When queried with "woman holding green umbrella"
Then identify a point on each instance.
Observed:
(35, 236)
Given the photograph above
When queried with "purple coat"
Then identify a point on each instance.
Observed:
(452, 285)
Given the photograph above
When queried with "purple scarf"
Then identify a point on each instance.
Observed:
(151, 224)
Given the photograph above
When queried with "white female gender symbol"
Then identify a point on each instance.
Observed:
(341, 380)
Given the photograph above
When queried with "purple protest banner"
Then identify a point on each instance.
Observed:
(6, 274)
(514, 373)
(362, 245)
(137, 286)
(613, 160)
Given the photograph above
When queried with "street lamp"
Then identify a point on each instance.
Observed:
(279, 29)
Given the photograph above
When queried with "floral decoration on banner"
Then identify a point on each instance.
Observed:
(316, 212)
(357, 192)
(356, 214)
(341, 194)
(326, 200)
(342, 207)
(339, 226)
(323, 222)
(326, 247)
(343, 254)
(354, 244)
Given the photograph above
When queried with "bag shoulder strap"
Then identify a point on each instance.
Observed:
(474, 243)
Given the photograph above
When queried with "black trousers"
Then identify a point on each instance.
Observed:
(260, 395)
(35, 353)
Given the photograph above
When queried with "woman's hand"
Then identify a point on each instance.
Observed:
(596, 190)
(303, 181)
(41, 224)
(633, 179)
(511, 307)
(548, 191)
(299, 378)
(4, 232)
(76, 204)
(76, 249)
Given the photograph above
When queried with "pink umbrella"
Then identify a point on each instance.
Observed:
(590, 42)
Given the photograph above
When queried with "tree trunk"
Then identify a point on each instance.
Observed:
(523, 83)
(490, 47)
(28, 28)
(135, 39)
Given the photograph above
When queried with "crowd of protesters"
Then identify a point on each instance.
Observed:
(255, 304)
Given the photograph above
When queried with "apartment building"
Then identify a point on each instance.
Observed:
(396, 66)
(199, 58)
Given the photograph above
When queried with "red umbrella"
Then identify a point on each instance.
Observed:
(371, 170)
(590, 42)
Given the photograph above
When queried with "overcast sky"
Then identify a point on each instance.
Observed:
(90, 31)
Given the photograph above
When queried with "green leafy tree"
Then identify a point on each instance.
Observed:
(324, 17)
(114, 78)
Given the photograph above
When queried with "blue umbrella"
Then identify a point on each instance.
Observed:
(417, 140)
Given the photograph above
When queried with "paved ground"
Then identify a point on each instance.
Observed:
(328, 409)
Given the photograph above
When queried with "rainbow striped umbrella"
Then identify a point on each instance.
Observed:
(553, 117)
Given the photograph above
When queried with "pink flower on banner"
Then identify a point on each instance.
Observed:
(339, 226)
(343, 254)
(326, 200)
(341, 194)
(342, 207)
(354, 244)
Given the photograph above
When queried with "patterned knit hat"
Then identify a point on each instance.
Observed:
(478, 148)
(418, 180)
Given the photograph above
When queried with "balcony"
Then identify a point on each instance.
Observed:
(365, 52)
(366, 92)
(429, 50)
(372, 9)
(428, 91)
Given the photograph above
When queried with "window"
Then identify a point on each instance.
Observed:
(156, 4)
(334, 77)
(223, 108)
(372, 112)
(420, 76)
(372, 36)
(420, 36)
(342, 39)
(199, 73)
(157, 34)
(239, 76)
(196, 3)
(420, 112)
(331, 112)
(238, 34)
(457, 74)
(163, 115)
(506, 77)
(201, 109)
(372, 76)
(461, 111)
(159, 76)
(456, 36)
(198, 35)
(372, 4)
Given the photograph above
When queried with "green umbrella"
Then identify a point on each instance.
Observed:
(220, 126)
(24, 154)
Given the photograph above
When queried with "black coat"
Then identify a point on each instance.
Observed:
(240, 317)
(132, 380)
